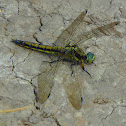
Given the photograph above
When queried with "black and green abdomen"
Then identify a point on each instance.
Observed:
(39, 47)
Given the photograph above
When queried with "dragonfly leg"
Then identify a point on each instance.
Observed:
(57, 60)
(72, 68)
(86, 71)
(54, 44)
(52, 61)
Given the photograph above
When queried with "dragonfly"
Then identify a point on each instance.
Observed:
(66, 50)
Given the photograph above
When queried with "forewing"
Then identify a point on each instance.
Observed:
(46, 80)
(99, 31)
(65, 37)
(72, 87)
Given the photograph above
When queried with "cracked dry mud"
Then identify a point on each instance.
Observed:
(104, 96)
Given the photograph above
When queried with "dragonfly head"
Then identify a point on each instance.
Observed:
(90, 57)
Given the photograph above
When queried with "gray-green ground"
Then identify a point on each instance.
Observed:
(104, 95)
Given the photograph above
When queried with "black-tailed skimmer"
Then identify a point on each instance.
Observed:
(66, 49)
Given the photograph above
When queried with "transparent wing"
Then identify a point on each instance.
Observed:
(46, 80)
(103, 30)
(71, 83)
(64, 38)
(72, 86)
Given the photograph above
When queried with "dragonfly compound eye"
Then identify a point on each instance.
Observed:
(90, 57)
